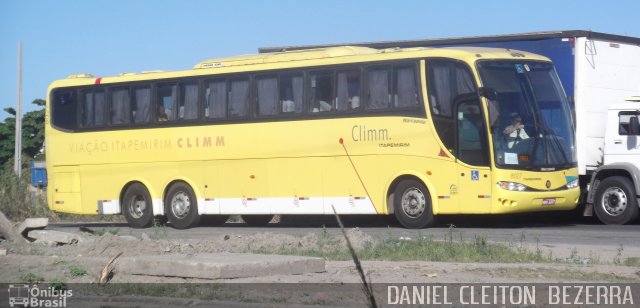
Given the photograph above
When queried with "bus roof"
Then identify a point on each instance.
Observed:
(284, 59)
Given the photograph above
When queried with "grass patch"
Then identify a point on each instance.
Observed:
(159, 230)
(30, 277)
(633, 261)
(17, 202)
(567, 274)
(77, 271)
(423, 249)
(103, 231)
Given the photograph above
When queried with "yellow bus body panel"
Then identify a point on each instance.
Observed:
(298, 163)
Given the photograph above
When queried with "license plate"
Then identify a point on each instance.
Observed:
(549, 201)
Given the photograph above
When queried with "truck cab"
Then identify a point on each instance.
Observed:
(615, 185)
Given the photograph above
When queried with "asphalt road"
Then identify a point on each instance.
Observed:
(546, 229)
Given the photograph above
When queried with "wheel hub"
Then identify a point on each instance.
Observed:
(614, 201)
(180, 205)
(137, 206)
(413, 202)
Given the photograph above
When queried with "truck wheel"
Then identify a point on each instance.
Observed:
(136, 206)
(412, 205)
(182, 206)
(257, 220)
(616, 202)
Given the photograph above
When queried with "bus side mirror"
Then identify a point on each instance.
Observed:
(488, 93)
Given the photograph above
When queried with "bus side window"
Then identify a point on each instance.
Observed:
(378, 94)
(321, 92)
(120, 106)
(141, 106)
(188, 109)
(216, 100)
(167, 96)
(405, 89)
(291, 93)
(267, 95)
(64, 110)
(93, 107)
(446, 80)
(238, 97)
(348, 90)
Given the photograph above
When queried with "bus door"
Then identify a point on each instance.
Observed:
(472, 154)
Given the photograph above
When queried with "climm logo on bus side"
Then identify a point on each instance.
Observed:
(200, 142)
(363, 133)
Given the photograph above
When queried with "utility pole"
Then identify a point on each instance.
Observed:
(18, 144)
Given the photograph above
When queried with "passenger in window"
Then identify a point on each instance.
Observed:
(288, 105)
(162, 114)
(515, 132)
(321, 106)
(323, 89)
(354, 94)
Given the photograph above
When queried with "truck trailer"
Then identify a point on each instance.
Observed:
(598, 72)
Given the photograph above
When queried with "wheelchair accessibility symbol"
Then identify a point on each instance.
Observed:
(475, 175)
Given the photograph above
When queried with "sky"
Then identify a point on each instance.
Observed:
(106, 38)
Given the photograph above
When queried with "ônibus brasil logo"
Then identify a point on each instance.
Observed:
(24, 295)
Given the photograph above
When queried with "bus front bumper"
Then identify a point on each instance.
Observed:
(505, 201)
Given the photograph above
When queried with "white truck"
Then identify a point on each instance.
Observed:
(598, 71)
(614, 186)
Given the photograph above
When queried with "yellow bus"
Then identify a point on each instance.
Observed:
(415, 133)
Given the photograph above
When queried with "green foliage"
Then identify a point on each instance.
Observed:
(16, 201)
(103, 231)
(77, 271)
(424, 249)
(32, 134)
(30, 277)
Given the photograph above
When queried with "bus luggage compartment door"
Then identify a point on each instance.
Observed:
(66, 190)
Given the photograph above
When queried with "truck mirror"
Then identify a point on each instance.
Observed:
(634, 126)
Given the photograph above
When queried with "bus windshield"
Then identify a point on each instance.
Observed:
(530, 120)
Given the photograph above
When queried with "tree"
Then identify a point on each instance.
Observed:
(7, 139)
(32, 134)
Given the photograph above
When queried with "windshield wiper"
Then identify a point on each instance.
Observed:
(554, 137)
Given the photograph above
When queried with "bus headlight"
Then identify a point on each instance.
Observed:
(512, 186)
(572, 184)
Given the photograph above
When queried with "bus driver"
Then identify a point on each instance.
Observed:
(515, 132)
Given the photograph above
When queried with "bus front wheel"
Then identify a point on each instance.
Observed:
(136, 206)
(412, 205)
(181, 206)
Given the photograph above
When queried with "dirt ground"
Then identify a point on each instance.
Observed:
(52, 263)
(337, 286)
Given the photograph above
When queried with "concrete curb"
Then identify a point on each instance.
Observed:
(219, 266)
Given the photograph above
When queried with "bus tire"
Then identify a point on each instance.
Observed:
(213, 220)
(181, 206)
(257, 220)
(616, 202)
(137, 206)
(412, 205)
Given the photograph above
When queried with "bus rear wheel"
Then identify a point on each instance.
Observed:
(412, 205)
(257, 220)
(136, 206)
(615, 202)
(181, 206)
